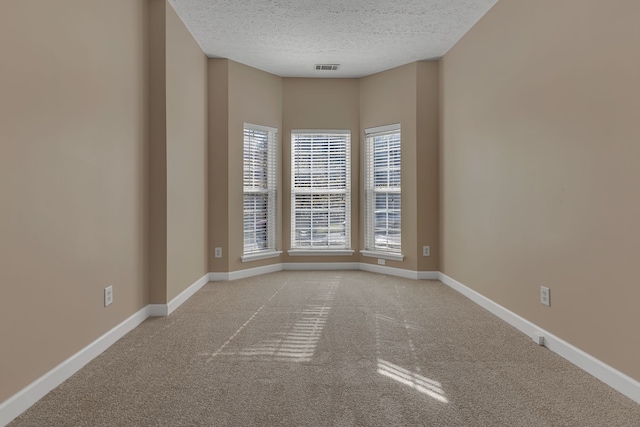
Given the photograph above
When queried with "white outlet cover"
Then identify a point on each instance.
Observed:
(381, 261)
(426, 251)
(108, 296)
(545, 296)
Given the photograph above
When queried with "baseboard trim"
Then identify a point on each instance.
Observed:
(428, 275)
(400, 272)
(158, 310)
(605, 373)
(310, 266)
(256, 271)
(162, 310)
(21, 401)
(187, 293)
(218, 277)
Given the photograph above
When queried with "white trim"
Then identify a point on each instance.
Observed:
(21, 401)
(259, 127)
(307, 266)
(320, 252)
(605, 373)
(400, 272)
(260, 255)
(386, 255)
(158, 310)
(218, 277)
(320, 131)
(428, 275)
(385, 128)
(391, 271)
(250, 272)
(163, 310)
(187, 293)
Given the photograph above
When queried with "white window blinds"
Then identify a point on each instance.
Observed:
(383, 189)
(260, 188)
(320, 190)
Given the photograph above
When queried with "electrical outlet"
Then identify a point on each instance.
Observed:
(218, 253)
(381, 261)
(108, 296)
(545, 296)
(426, 251)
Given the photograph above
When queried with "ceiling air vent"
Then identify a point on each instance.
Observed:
(327, 67)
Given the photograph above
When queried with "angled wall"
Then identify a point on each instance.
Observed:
(320, 104)
(73, 178)
(409, 95)
(541, 166)
(178, 156)
(187, 186)
(238, 94)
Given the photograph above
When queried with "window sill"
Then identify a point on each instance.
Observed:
(260, 255)
(384, 255)
(320, 252)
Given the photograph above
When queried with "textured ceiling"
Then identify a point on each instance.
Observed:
(288, 37)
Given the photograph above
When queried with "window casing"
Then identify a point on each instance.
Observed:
(383, 211)
(260, 190)
(320, 190)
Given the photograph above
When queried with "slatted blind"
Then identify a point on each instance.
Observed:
(320, 190)
(260, 188)
(383, 189)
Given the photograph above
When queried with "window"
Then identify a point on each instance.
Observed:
(320, 192)
(382, 192)
(260, 191)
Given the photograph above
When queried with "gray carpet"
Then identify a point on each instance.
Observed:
(330, 349)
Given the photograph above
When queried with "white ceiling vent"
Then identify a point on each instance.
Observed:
(327, 67)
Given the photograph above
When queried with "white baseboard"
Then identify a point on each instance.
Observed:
(318, 266)
(428, 275)
(162, 310)
(218, 277)
(158, 310)
(187, 293)
(21, 401)
(605, 373)
(251, 272)
(400, 272)
(309, 266)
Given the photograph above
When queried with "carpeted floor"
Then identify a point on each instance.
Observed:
(330, 349)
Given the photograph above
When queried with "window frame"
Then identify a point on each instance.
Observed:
(270, 189)
(330, 188)
(371, 249)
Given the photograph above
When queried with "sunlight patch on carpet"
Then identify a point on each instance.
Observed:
(416, 381)
(297, 342)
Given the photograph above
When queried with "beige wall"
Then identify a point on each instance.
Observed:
(427, 181)
(157, 189)
(254, 97)
(218, 155)
(186, 147)
(109, 128)
(540, 157)
(320, 104)
(238, 94)
(409, 95)
(178, 156)
(72, 178)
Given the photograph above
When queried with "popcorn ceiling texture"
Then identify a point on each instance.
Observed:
(287, 37)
